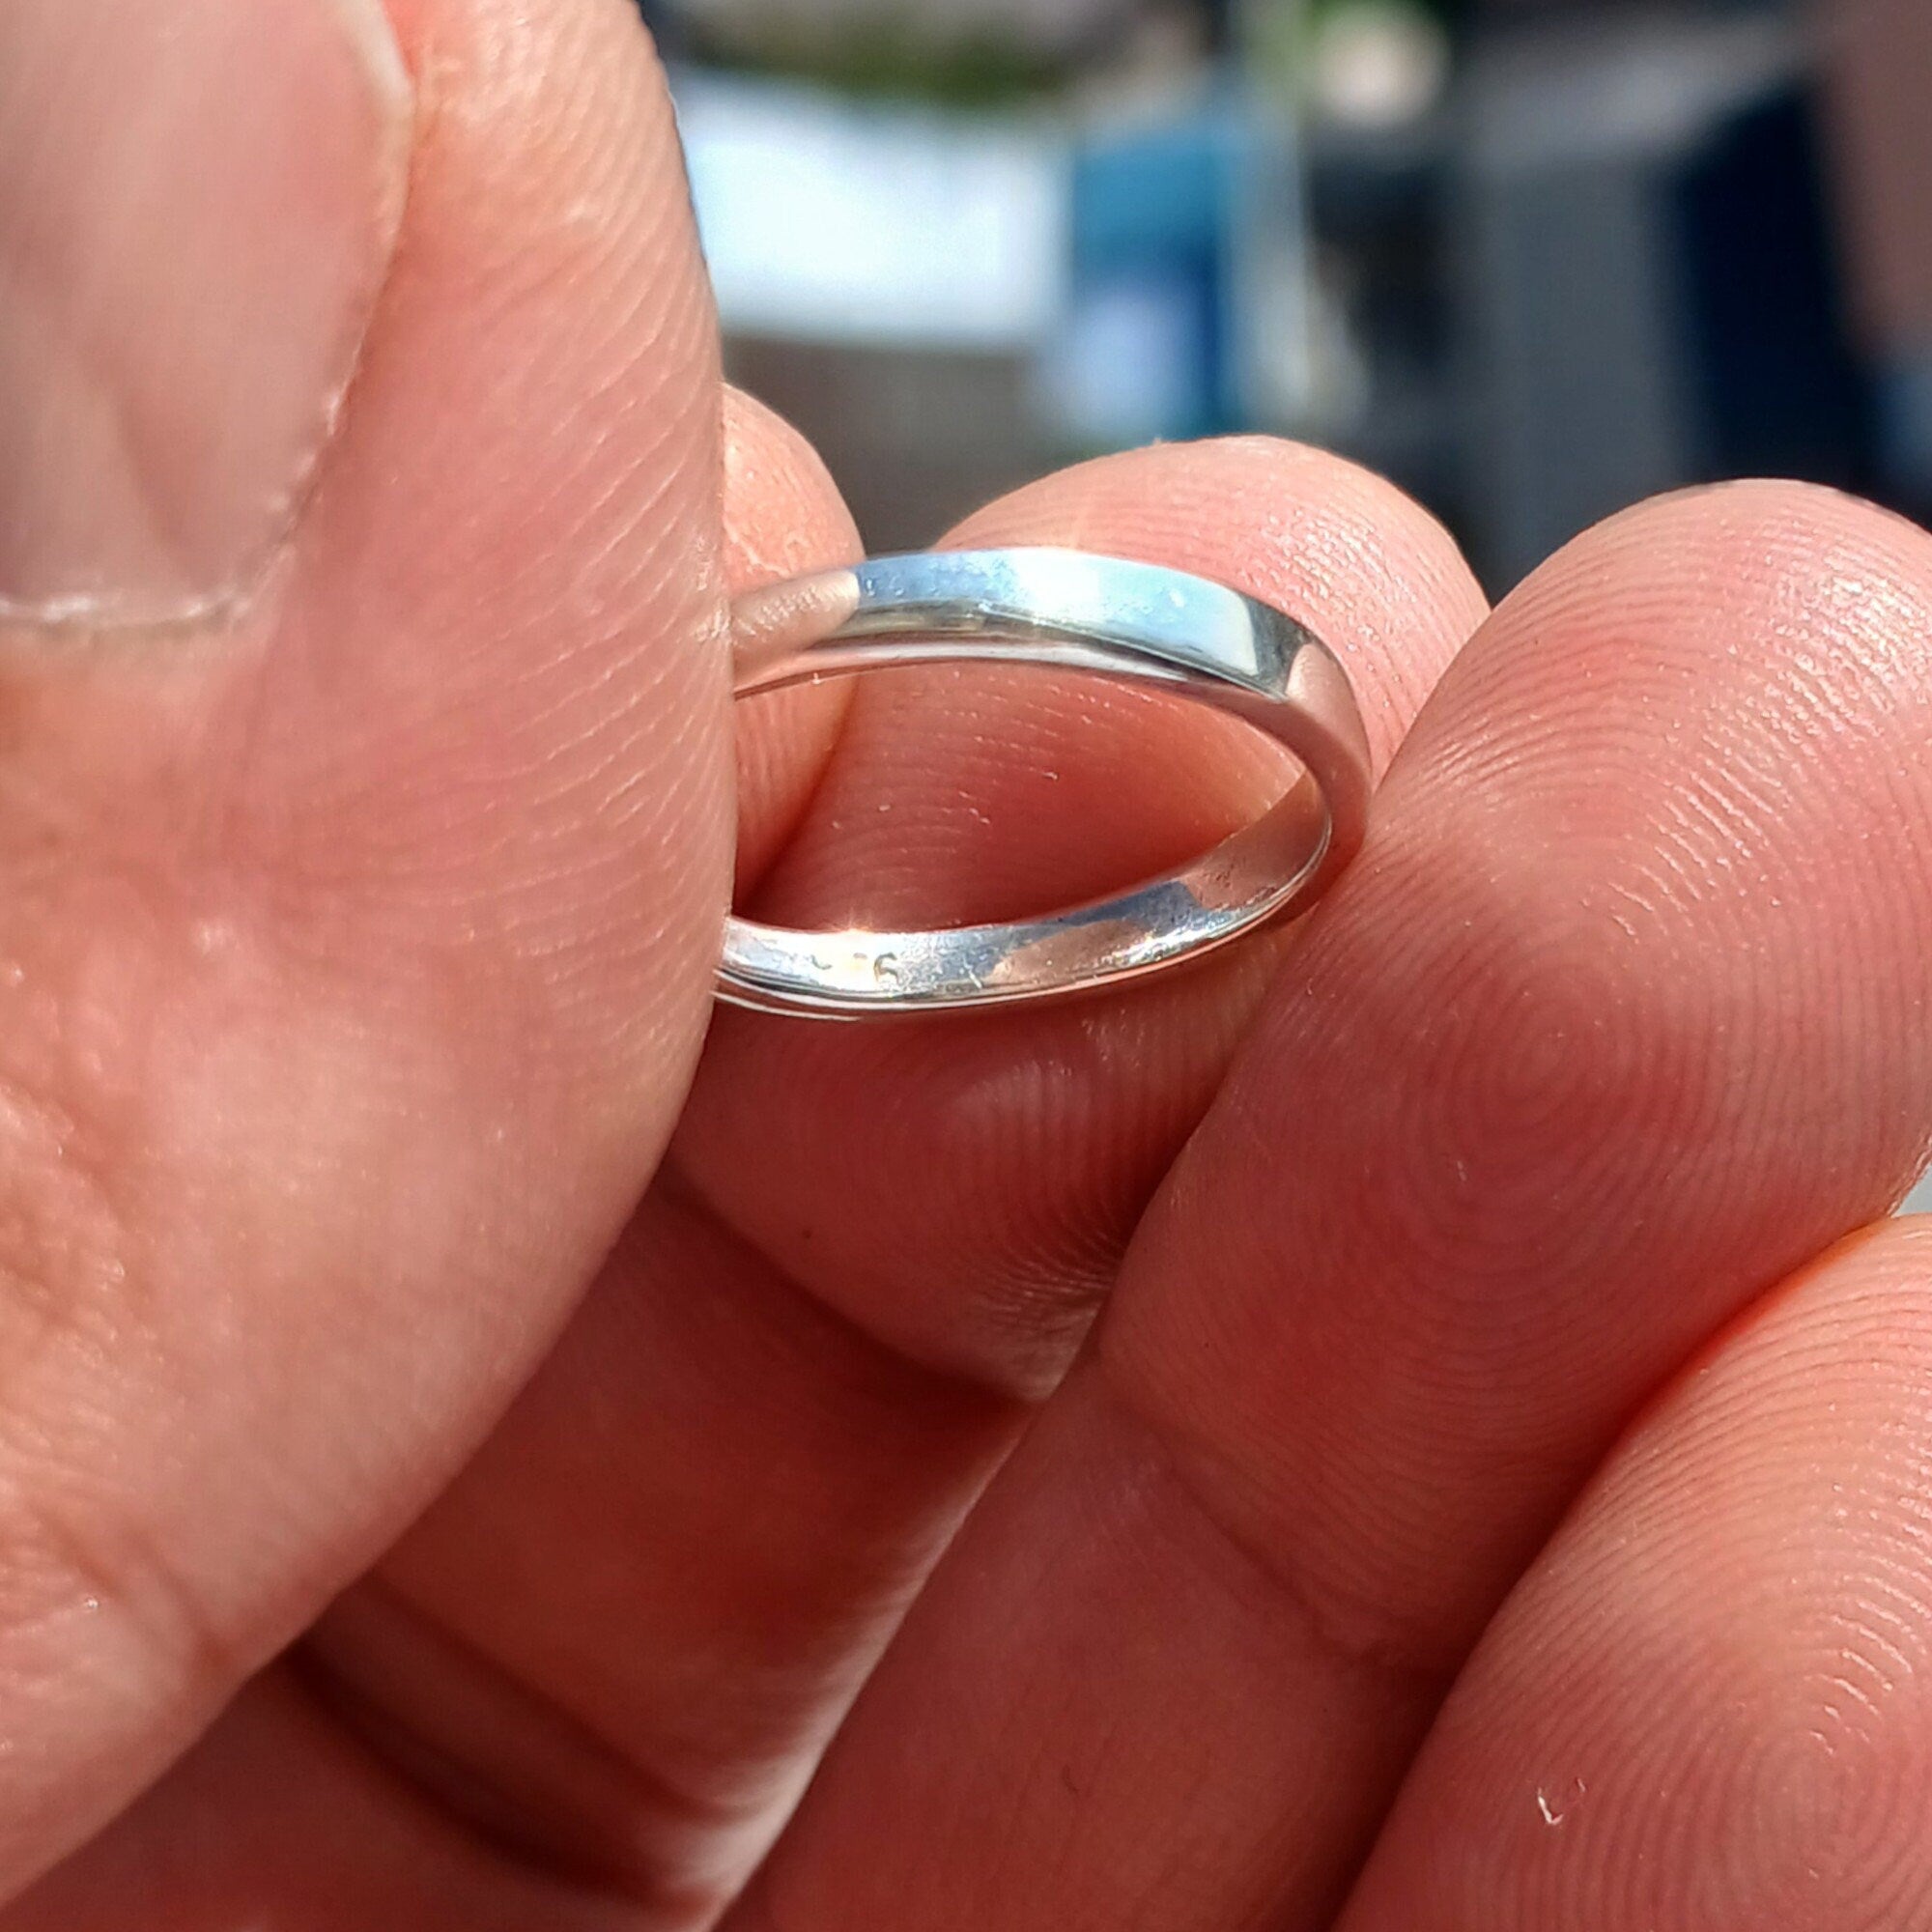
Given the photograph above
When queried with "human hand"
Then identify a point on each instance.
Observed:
(365, 846)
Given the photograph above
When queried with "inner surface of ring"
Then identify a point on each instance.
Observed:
(1236, 885)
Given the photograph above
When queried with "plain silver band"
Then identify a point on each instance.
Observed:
(1063, 611)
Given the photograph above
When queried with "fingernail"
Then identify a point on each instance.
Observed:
(198, 203)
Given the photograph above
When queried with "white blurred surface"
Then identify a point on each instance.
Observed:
(829, 222)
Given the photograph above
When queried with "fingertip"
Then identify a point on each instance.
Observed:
(784, 514)
(1671, 650)
(1705, 1706)
(1615, 1021)
(1776, 562)
(1761, 504)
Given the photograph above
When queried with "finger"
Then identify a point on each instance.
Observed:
(783, 517)
(250, 1828)
(963, 1191)
(279, 1818)
(1613, 1025)
(630, 1625)
(365, 805)
(609, 1643)
(1710, 1703)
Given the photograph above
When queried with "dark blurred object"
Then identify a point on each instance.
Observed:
(665, 20)
(1877, 59)
(1648, 277)
(1379, 213)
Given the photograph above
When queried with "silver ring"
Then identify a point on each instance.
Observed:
(1063, 611)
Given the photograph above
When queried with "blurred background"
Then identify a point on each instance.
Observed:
(1533, 259)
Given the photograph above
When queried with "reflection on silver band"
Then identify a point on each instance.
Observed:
(1063, 611)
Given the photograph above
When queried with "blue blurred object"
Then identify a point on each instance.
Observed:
(1143, 349)
(1164, 308)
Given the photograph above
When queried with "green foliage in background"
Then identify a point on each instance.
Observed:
(898, 59)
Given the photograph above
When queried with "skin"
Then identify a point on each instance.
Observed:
(1422, 1423)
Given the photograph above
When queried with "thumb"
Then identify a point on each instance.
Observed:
(364, 797)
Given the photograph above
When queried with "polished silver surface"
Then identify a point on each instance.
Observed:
(1066, 611)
